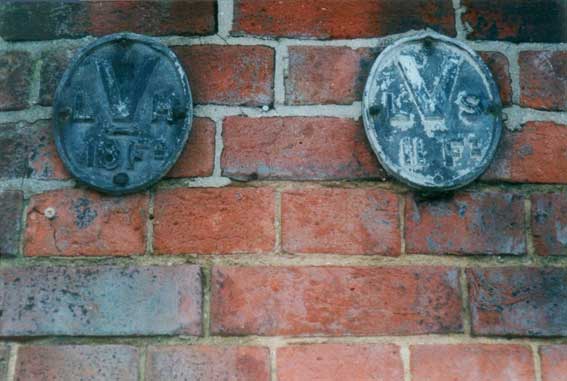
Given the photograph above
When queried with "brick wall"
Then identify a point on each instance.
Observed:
(277, 248)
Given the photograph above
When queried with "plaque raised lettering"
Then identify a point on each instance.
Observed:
(122, 113)
(432, 112)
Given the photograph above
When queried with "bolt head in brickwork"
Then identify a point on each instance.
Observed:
(122, 113)
(432, 112)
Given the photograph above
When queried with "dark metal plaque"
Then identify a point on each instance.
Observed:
(432, 112)
(122, 113)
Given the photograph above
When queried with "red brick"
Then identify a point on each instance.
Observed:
(42, 20)
(543, 80)
(198, 157)
(341, 221)
(71, 19)
(467, 223)
(535, 154)
(201, 362)
(549, 223)
(500, 68)
(4, 359)
(100, 300)
(11, 209)
(15, 80)
(520, 301)
(304, 148)
(516, 20)
(229, 75)
(53, 65)
(177, 17)
(327, 74)
(43, 159)
(77, 362)
(214, 221)
(554, 362)
(476, 362)
(86, 223)
(28, 151)
(335, 301)
(340, 362)
(340, 18)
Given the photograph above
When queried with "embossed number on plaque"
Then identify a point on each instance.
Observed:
(122, 113)
(432, 112)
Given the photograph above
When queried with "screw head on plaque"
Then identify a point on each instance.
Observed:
(432, 112)
(122, 113)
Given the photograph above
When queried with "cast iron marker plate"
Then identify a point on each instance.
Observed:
(432, 112)
(122, 113)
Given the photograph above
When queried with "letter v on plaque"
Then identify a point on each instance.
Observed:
(122, 113)
(432, 112)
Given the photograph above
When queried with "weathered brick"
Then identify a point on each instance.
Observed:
(341, 221)
(518, 301)
(15, 80)
(500, 68)
(100, 301)
(543, 79)
(335, 301)
(214, 221)
(14, 155)
(549, 223)
(340, 18)
(375, 362)
(327, 74)
(4, 358)
(229, 75)
(200, 362)
(467, 223)
(474, 362)
(535, 154)
(176, 17)
(314, 148)
(198, 156)
(44, 162)
(43, 20)
(77, 362)
(53, 65)
(46, 20)
(11, 208)
(28, 150)
(85, 223)
(516, 20)
(553, 362)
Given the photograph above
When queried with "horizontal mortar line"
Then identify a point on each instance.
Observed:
(33, 186)
(289, 260)
(515, 113)
(353, 110)
(32, 114)
(217, 39)
(281, 341)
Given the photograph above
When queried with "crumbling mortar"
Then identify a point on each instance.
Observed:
(290, 260)
(405, 355)
(282, 341)
(537, 361)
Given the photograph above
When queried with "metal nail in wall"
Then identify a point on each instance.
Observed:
(122, 113)
(432, 112)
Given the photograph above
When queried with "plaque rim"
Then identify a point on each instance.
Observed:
(372, 135)
(72, 66)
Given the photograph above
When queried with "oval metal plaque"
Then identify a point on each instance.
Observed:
(432, 112)
(122, 113)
